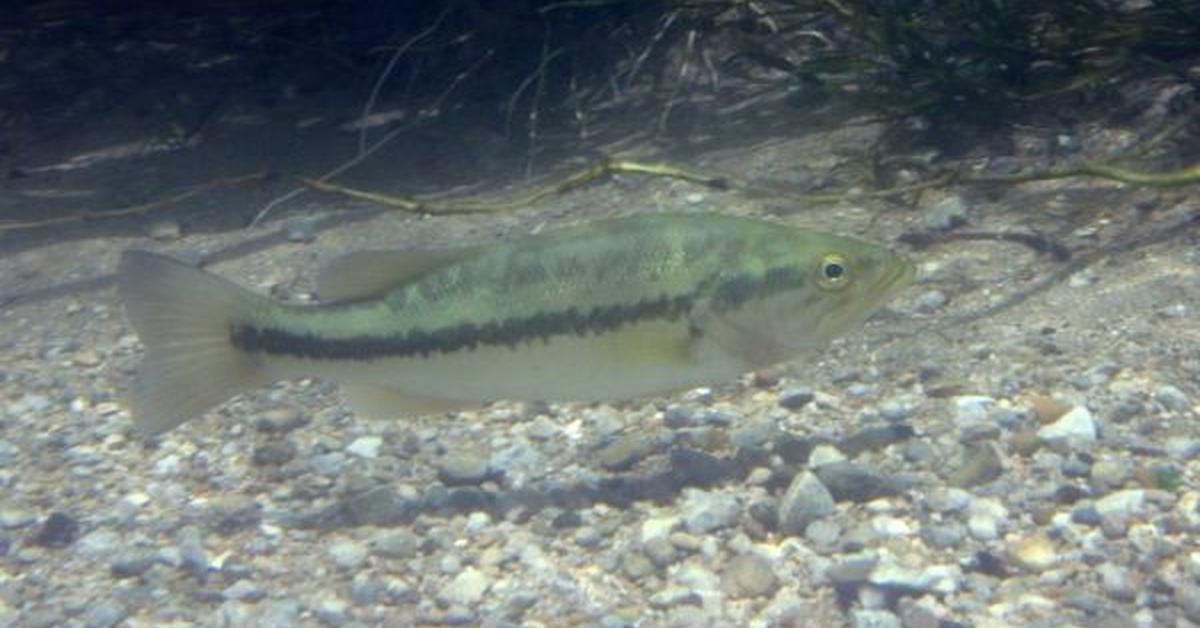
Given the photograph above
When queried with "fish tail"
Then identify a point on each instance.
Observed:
(183, 316)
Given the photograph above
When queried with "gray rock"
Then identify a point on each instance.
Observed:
(708, 510)
(979, 464)
(942, 536)
(946, 214)
(866, 618)
(1172, 398)
(636, 565)
(244, 590)
(1117, 581)
(675, 595)
(660, 551)
(11, 519)
(274, 452)
(1187, 596)
(679, 415)
(930, 301)
(133, 563)
(805, 501)
(1183, 447)
(8, 453)
(1108, 474)
(1117, 509)
(164, 230)
(464, 467)
(348, 555)
(330, 464)
(749, 575)
(98, 542)
(331, 610)
(852, 481)
(104, 615)
(626, 451)
(823, 534)
(794, 398)
(467, 588)
(227, 514)
(1074, 429)
(365, 447)
(972, 408)
(852, 572)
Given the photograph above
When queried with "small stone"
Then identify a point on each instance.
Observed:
(795, 398)
(805, 501)
(1075, 428)
(985, 518)
(13, 519)
(1033, 553)
(674, 595)
(1187, 596)
(823, 534)
(164, 230)
(825, 454)
(626, 451)
(1183, 447)
(278, 420)
(946, 214)
(1117, 581)
(1047, 409)
(1117, 509)
(942, 536)
(972, 408)
(1109, 474)
(244, 590)
(855, 482)
(331, 610)
(274, 453)
(133, 563)
(463, 467)
(930, 301)
(230, 513)
(348, 555)
(399, 544)
(870, 618)
(467, 588)
(366, 447)
(980, 464)
(1172, 398)
(679, 415)
(99, 542)
(104, 615)
(706, 511)
(57, 531)
(636, 565)
(749, 575)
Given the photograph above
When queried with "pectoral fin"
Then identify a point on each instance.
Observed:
(377, 402)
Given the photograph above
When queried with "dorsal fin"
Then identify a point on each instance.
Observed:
(371, 273)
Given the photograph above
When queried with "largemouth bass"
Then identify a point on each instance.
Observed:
(614, 309)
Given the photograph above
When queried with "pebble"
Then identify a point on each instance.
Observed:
(873, 618)
(855, 482)
(398, 544)
(636, 565)
(797, 397)
(1183, 447)
(244, 590)
(985, 517)
(980, 464)
(1074, 428)
(348, 555)
(749, 575)
(104, 615)
(133, 563)
(1117, 581)
(930, 301)
(463, 468)
(1171, 398)
(805, 501)
(824, 454)
(164, 230)
(366, 447)
(1108, 474)
(331, 610)
(8, 453)
(13, 519)
(230, 513)
(946, 214)
(972, 408)
(624, 452)
(98, 542)
(1116, 509)
(274, 453)
(467, 588)
(706, 511)
(1033, 553)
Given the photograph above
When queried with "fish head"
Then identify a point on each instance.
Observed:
(850, 279)
(832, 284)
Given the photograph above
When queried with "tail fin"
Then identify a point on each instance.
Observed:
(183, 316)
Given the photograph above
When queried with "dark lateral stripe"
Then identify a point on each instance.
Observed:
(508, 332)
(729, 294)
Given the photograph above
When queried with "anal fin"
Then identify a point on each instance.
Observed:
(378, 402)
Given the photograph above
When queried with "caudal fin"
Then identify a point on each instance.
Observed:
(183, 316)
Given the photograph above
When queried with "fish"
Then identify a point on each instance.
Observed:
(614, 309)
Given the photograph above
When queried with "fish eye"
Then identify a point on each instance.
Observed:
(833, 271)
